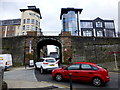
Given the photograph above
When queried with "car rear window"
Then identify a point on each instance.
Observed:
(94, 68)
(41, 60)
(50, 60)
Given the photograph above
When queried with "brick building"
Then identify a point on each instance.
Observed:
(28, 24)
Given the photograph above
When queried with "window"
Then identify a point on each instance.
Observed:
(36, 22)
(38, 16)
(13, 28)
(34, 15)
(98, 24)
(74, 67)
(86, 67)
(28, 21)
(2, 34)
(8, 28)
(36, 28)
(12, 34)
(24, 21)
(41, 60)
(94, 68)
(32, 27)
(109, 25)
(18, 27)
(8, 35)
(23, 27)
(22, 33)
(0, 28)
(110, 33)
(33, 21)
(86, 24)
(87, 33)
(27, 27)
(99, 33)
(0, 23)
(71, 14)
(50, 60)
(3, 28)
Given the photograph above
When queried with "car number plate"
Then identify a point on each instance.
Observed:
(52, 65)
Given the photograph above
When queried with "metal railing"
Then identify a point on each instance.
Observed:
(1, 77)
(51, 33)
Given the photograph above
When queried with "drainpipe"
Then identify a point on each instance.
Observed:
(78, 22)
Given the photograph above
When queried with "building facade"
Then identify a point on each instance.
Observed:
(10, 28)
(30, 20)
(27, 24)
(98, 28)
(70, 20)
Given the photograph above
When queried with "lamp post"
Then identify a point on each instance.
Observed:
(78, 23)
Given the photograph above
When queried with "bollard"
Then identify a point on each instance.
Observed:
(70, 81)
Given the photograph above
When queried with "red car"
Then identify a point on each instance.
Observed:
(82, 71)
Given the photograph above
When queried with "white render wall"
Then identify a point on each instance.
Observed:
(29, 14)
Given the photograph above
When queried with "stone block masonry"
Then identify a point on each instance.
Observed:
(88, 49)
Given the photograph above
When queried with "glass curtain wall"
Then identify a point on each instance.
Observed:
(70, 22)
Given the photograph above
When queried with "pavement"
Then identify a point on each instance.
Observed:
(20, 77)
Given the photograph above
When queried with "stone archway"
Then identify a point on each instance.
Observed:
(45, 42)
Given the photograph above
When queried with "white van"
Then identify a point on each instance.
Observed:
(5, 61)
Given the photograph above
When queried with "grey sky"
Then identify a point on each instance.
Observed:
(50, 10)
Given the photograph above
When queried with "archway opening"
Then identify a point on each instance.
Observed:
(43, 51)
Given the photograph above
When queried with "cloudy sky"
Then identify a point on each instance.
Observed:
(50, 10)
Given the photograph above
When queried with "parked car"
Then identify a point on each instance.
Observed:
(46, 64)
(82, 71)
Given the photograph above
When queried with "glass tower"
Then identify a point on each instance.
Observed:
(69, 18)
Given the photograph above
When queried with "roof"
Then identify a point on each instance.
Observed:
(97, 19)
(10, 22)
(66, 10)
(84, 63)
(33, 8)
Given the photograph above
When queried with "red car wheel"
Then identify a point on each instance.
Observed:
(58, 77)
(97, 82)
